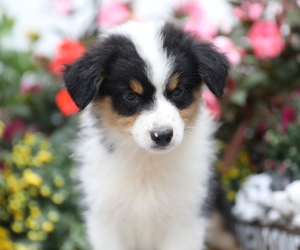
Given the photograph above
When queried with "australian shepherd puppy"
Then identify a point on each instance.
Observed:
(145, 144)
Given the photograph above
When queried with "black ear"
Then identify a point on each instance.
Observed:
(213, 67)
(83, 77)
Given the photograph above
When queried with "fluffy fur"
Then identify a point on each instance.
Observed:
(145, 143)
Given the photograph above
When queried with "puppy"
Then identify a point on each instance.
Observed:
(145, 144)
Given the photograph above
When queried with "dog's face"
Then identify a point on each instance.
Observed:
(145, 79)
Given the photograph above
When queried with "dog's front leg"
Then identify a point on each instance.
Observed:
(103, 236)
(188, 238)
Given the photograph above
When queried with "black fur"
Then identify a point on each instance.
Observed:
(202, 58)
(126, 65)
(117, 61)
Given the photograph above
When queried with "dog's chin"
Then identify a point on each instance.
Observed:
(155, 149)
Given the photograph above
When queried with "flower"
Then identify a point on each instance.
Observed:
(62, 7)
(288, 114)
(48, 226)
(32, 178)
(67, 52)
(249, 11)
(265, 39)
(212, 104)
(44, 156)
(16, 127)
(198, 23)
(226, 45)
(65, 103)
(113, 13)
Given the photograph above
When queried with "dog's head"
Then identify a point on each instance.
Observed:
(145, 79)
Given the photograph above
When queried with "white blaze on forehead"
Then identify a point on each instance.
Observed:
(148, 41)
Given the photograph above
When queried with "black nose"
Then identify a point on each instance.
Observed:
(162, 137)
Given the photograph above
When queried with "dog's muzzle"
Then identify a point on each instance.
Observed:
(162, 137)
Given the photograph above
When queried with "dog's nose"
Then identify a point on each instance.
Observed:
(162, 137)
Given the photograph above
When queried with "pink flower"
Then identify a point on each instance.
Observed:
(265, 39)
(198, 22)
(249, 11)
(113, 13)
(212, 104)
(288, 114)
(226, 45)
(62, 7)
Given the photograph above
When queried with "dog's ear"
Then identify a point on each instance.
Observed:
(82, 78)
(213, 67)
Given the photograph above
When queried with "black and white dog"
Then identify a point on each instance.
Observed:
(145, 144)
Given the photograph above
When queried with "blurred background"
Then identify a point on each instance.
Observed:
(258, 140)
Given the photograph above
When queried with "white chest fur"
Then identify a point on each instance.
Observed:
(142, 201)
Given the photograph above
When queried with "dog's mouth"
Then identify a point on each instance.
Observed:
(157, 149)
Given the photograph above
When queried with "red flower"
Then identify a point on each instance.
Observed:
(288, 114)
(14, 128)
(65, 103)
(265, 39)
(67, 52)
(212, 104)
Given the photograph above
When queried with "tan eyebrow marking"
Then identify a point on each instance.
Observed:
(173, 82)
(136, 86)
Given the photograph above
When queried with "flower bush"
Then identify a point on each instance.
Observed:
(259, 114)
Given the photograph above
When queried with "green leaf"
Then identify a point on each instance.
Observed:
(239, 97)
(257, 79)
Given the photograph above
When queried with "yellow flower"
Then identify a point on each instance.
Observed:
(58, 199)
(30, 139)
(3, 233)
(19, 215)
(22, 247)
(231, 195)
(244, 158)
(44, 156)
(17, 227)
(21, 150)
(2, 128)
(33, 35)
(32, 223)
(14, 205)
(36, 236)
(45, 191)
(34, 211)
(53, 216)
(233, 173)
(48, 226)
(32, 178)
(6, 244)
(13, 183)
(58, 181)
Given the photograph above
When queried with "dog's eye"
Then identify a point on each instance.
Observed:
(131, 96)
(177, 92)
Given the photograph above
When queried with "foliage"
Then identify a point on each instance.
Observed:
(38, 199)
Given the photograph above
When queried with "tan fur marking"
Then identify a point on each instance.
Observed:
(103, 108)
(136, 86)
(173, 82)
(189, 114)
